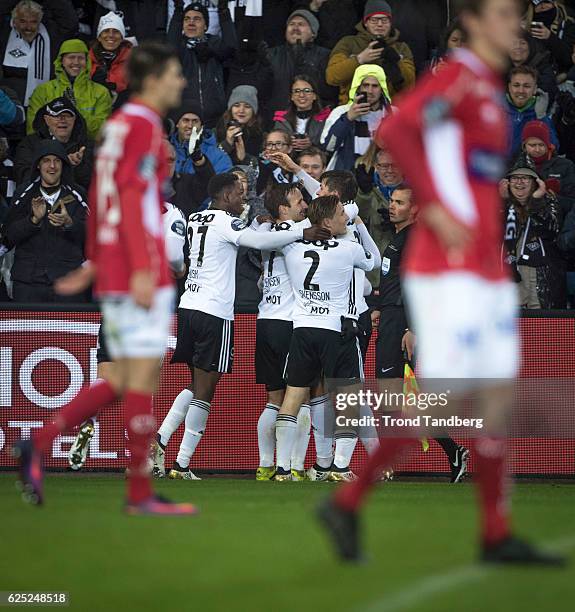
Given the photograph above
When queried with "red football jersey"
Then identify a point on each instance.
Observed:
(125, 231)
(450, 136)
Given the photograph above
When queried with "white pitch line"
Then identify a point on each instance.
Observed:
(439, 583)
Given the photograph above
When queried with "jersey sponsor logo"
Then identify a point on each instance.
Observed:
(436, 110)
(238, 225)
(284, 225)
(320, 310)
(326, 244)
(201, 218)
(274, 300)
(147, 167)
(486, 165)
(385, 265)
(178, 228)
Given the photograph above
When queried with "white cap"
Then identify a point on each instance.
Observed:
(113, 21)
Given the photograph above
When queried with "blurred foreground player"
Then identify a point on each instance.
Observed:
(174, 225)
(129, 265)
(449, 136)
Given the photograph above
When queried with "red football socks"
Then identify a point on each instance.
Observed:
(85, 405)
(491, 477)
(141, 426)
(351, 495)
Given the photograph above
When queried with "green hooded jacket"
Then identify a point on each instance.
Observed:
(343, 61)
(92, 100)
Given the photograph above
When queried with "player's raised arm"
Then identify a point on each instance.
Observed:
(368, 242)
(362, 259)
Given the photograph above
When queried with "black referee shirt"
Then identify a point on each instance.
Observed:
(390, 283)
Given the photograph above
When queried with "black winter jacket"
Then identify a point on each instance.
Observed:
(43, 252)
(202, 63)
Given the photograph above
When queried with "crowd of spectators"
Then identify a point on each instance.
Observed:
(277, 91)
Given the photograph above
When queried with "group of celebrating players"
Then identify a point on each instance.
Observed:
(462, 302)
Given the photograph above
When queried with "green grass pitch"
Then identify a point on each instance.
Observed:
(256, 546)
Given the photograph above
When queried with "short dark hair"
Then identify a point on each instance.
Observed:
(343, 182)
(312, 152)
(405, 187)
(220, 183)
(148, 59)
(276, 195)
(322, 208)
(523, 69)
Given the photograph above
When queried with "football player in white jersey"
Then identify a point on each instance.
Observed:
(324, 340)
(273, 332)
(344, 185)
(206, 310)
(174, 238)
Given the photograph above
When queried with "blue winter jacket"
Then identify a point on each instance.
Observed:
(220, 161)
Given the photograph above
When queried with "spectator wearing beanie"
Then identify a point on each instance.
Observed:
(304, 118)
(298, 55)
(532, 221)
(555, 29)
(46, 227)
(336, 18)
(557, 172)
(202, 55)
(203, 148)
(109, 54)
(73, 67)
(239, 132)
(377, 42)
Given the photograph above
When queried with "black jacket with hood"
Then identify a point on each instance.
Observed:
(203, 63)
(43, 252)
(27, 149)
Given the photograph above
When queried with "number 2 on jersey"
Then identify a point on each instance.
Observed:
(307, 284)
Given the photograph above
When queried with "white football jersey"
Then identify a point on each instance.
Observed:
(174, 235)
(213, 237)
(360, 305)
(277, 295)
(321, 274)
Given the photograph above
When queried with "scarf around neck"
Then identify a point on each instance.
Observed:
(33, 57)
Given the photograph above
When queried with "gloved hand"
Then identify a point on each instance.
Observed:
(386, 223)
(349, 329)
(390, 55)
(364, 179)
(194, 148)
(203, 52)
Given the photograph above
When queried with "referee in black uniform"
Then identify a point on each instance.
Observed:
(395, 341)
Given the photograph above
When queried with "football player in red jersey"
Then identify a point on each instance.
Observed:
(449, 136)
(127, 261)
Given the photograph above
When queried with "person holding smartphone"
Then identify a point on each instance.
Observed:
(549, 22)
(377, 41)
(350, 127)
